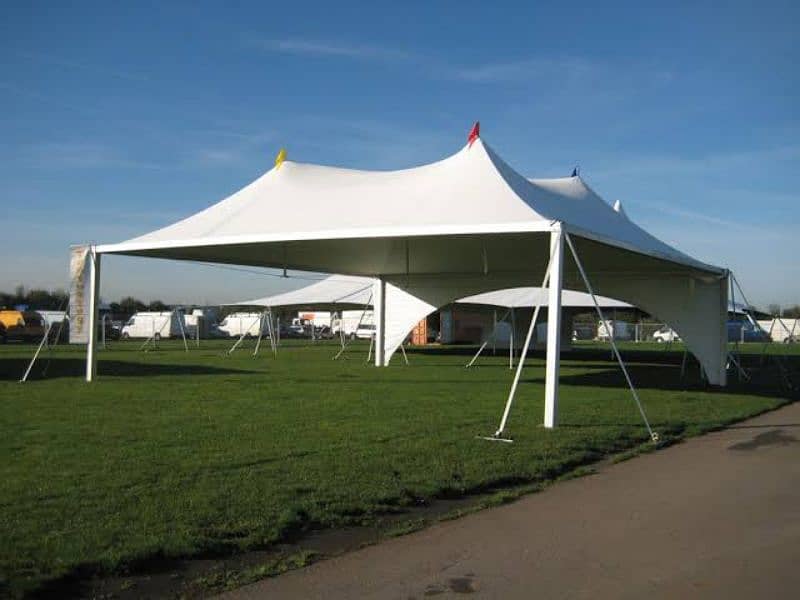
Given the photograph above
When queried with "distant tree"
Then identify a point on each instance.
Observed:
(130, 305)
(774, 310)
(792, 312)
(158, 305)
(19, 293)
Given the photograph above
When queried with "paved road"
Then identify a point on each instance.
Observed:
(715, 517)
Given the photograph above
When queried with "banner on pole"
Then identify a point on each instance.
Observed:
(79, 294)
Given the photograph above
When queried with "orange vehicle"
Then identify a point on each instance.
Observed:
(18, 325)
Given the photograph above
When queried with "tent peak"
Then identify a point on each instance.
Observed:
(474, 133)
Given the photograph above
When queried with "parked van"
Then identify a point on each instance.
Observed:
(159, 325)
(17, 325)
(236, 324)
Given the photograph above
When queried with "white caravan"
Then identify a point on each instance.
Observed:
(238, 323)
(349, 320)
(158, 325)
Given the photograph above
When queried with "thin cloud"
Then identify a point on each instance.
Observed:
(694, 216)
(49, 59)
(322, 48)
(81, 156)
(524, 70)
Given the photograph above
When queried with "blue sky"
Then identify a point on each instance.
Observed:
(118, 118)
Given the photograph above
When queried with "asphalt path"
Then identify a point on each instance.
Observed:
(717, 516)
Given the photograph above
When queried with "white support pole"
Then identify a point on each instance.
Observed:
(371, 344)
(358, 326)
(511, 340)
(492, 336)
(244, 334)
(272, 339)
(403, 350)
(521, 362)
(260, 333)
(553, 328)
(683, 362)
(94, 314)
(36, 354)
(380, 322)
(494, 329)
(653, 435)
(183, 331)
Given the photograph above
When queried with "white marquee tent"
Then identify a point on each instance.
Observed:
(464, 225)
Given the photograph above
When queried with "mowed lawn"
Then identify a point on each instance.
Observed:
(178, 454)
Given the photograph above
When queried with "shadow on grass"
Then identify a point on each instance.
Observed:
(12, 369)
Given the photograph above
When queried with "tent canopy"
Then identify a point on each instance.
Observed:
(464, 225)
(337, 292)
(528, 297)
(471, 201)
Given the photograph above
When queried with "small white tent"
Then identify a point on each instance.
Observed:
(336, 292)
(529, 297)
(464, 225)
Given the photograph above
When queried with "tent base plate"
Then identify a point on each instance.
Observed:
(493, 438)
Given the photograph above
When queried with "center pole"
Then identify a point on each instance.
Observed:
(380, 321)
(553, 329)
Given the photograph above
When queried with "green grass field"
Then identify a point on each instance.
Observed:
(174, 454)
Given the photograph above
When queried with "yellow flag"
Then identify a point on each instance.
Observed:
(280, 158)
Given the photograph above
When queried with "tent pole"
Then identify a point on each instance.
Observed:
(371, 343)
(787, 380)
(183, 331)
(492, 336)
(244, 333)
(380, 322)
(554, 328)
(273, 342)
(358, 326)
(494, 329)
(683, 363)
(403, 350)
(511, 340)
(260, 333)
(653, 435)
(36, 354)
(94, 314)
(521, 362)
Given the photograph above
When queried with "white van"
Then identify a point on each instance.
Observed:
(238, 323)
(159, 325)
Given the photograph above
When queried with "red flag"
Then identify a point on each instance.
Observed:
(474, 133)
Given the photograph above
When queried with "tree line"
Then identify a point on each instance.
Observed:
(58, 299)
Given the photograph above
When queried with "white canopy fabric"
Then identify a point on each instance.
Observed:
(337, 292)
(464, 225)
(528, 297)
